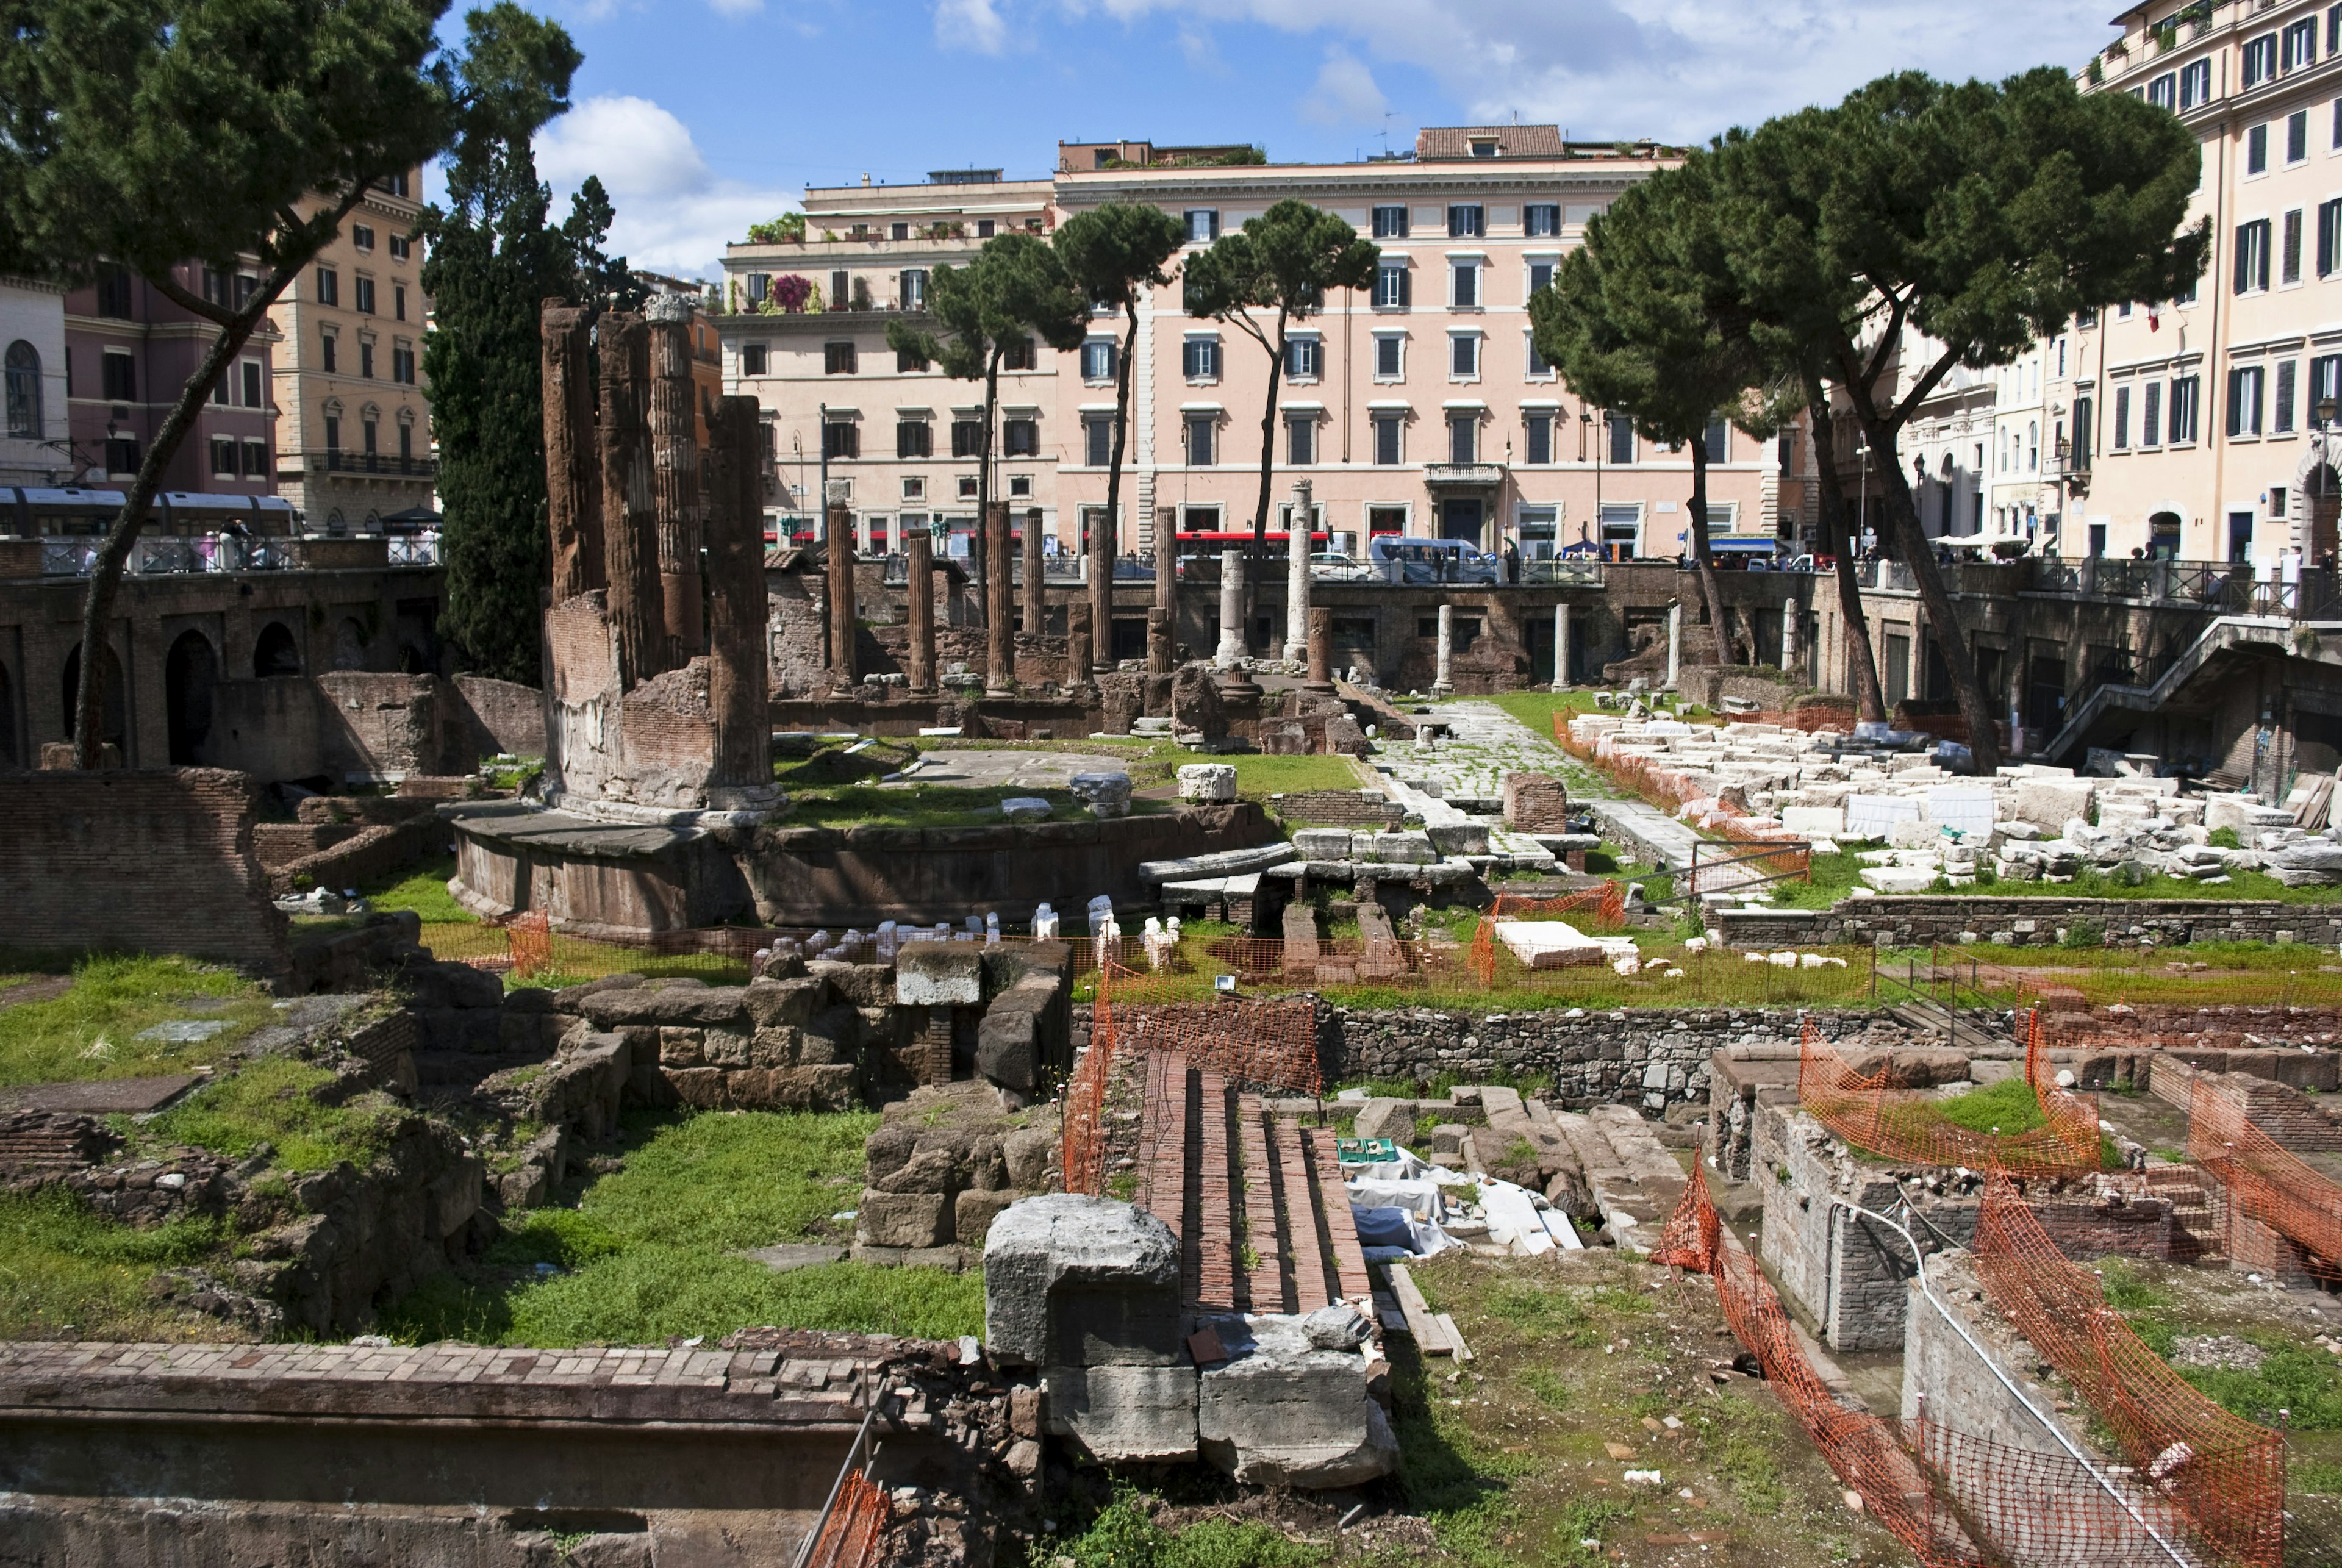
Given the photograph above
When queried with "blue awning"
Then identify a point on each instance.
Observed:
(1744, 546)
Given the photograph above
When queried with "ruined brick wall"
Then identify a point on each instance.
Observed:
(1919, 919)
(367, 855)
(1536, 803)
(505, 717)
(797, 635)
(374, 725)
(1364, 809)
(138, 862)
(267, 726)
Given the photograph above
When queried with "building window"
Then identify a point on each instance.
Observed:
(1200, 428)
(114, 293)
(907, 362)
(1199, 359)
(2299, 46)
(1718, 438)
(752, 358)
(24, 391)
(1483, 146)
(1097, 359)
(366, 359)
(1537, 447)
(1541, 220)
(1203, 225)
(251, 377)
(402, 247)
(914, 438)
(255, 455)
(1466, 221)
(2245, 385)
(1390, 350)
(1021, 437)
(2281, 405)
(967, 438)
(1539, 369)
(1301, 439)
(1305, 359)
(328, 352)
(399, 301)
(759, 284)
(333, 433)
(841, 290)
(2325, 388)
(1464, 291)
(2252, 255)
(1390, 223)
(913, 489)
(364, 287)
(984, 228)
(362, 236)
(329, 286)
(122, 455)
(369, 436)
(911, 287)
(2257, 150)
(1622, 438)
(2290, 252)
(2150, 415)
(1464, 357)
(2329, 237)
(1394, 285)
(837, 359)
(2194, 83)
(1463, 438)
(1019, 354)
(2260, 59)
(841, 438)
(2184, 397)
(223, 457)
(119, 383)
(1541, 274)
(1386, 439)
(1097, 441)
(2164, 91)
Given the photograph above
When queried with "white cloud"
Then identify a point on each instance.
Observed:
(1679, 70)
(1346, 93)
(673, 213)
(974, 25)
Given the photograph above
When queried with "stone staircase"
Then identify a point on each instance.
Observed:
(38, 1143)
(2291, 1119)
(1256, 1198)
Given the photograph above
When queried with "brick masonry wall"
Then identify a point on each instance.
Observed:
(1536, 803)
(1847, 1273)
(1362, 809)
(2032, 922)
(369, 855)
(138, 862)
(505, 717)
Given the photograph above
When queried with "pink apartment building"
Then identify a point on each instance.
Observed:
(1417, 407)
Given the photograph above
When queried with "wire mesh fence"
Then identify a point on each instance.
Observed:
(2264, 1181)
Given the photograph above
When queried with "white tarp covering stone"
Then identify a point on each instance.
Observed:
(1967, 808)
(1875, 816)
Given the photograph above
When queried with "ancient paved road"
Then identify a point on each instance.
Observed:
(1009, 769)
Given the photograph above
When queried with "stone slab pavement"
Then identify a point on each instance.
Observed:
(1007, 769)
(102, 1097)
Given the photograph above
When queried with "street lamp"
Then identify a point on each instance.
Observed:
(1585, 418)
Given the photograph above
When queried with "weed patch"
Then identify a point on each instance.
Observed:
(92, 1030)
(65, 1270)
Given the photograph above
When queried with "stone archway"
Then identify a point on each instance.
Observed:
(276, 652)
(2320, 489)
(112, 727)
(190, 672)
(349, 645)
(8, 758)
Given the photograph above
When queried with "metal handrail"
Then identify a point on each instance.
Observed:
(854, 1456)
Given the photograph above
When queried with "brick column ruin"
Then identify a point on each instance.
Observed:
(1297, 580)
(1321, 650)
(999, 640)
(629, 512)
(1163, 618)
(737, 680)
(674, 447)
(837, 534)
(1031, 543)
(573, 471)
(919, 605)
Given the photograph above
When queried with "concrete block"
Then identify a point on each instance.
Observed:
(903, 1219)
(1815, 821)
(1125, 1415)
(1322, 843)
(1207, 782)
(1393, 1119)
(1280, 1412)
(1070, 1278)
(2050, 802)
(939, 974)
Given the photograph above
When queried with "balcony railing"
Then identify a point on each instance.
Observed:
(414, 550)
(194, 555)
(2218, 587)
(1571, 571)
(1480, 473)
(376, 463)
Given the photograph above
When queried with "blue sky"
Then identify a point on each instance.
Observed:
(704, 116)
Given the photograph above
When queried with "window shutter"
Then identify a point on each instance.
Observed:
(1406, 286)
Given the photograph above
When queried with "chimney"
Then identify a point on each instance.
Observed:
(865, 179)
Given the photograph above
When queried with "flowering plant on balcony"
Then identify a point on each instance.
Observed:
(789, 295)
(788, 229)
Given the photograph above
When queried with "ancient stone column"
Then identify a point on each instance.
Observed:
(1674, 643)
(573, 466)
(737, 680)
(919, 606)
(629, 511)
(1097, 578)
(674, 448)
(1561, 646)
(1232, 628)
(1321, 650)
(839, 534)
(1077, 635)
(1162, 619)
(1441, 684)
(1297, 579)
(1793, 636)
(999, 633)
(1031, 601)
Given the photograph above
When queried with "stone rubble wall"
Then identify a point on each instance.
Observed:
(1919, 921)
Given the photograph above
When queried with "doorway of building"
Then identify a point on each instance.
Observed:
(1459, 518)
(190, 671)
(2163, 536)
(2240, 537)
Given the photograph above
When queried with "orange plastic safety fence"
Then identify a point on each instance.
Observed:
(2225, 1475)
(531, 936)
(856, 1530)
(1084, 1139)
(1602, 908)
(2265, 1180)
(2032, 1506)
(1901, 1124)
(1860, 1448)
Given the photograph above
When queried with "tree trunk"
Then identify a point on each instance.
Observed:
(1268, 462)
(1711, 586)
(1869, 702)
(1951, 641)
(1105, 541)
(983, 476)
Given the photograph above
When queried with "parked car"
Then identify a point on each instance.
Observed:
(1334, 566)
(1399, 559)
(1811, 564)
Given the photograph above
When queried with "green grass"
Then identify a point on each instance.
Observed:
(64, 1266)
(2009, 1108)
(1122, 1535)
(272, 1100)
(1258, 778)
(1835, 877)
(423, 890)
(647, 1254)
(91, 1031)
(930, 805)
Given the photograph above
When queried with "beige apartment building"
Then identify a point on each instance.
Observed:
(353, 417)
(1416, 406)
(2200, 422)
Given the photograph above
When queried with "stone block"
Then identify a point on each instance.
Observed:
(1006, 1050)
(1207, 782)
(2049, 801)
(1458, 837)
(887, 1151)
(1123, 1415)
(1815, 821)
(1899, 878)
(1393, 1119)
(1070, 1278)
(904, 1219)
(776, 1047)
(931, 1170)
(822, 1087)
(1404, 848)
(774, 1003)
(701, 1088)
(973, 1211)
(1280, 1412)
(1028, 1152)
(1105, 794)
(724, 1005)
(1322, 843)
(860, 984)
(939, 974)
(681, 1047)
(721, 1047)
